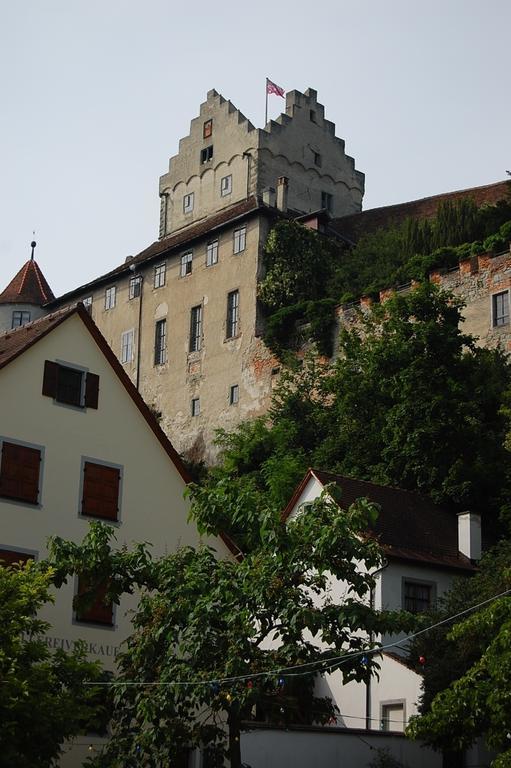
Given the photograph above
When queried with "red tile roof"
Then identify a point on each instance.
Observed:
(409, 526)
(365, 222)
(29, 286)
(178, 239)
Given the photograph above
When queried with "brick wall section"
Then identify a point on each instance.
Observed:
(358, 224)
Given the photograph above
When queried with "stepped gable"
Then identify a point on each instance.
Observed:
(29, 286)
(357, 224)
(409, 526)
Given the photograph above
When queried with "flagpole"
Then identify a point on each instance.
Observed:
(266, 109)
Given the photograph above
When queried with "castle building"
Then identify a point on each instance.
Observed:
(182, 315)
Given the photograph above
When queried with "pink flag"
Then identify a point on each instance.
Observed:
(273, 88)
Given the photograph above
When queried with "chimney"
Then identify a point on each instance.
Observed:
(282, 189)
(469, 535)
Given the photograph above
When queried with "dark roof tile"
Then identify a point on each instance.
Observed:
(29, 286)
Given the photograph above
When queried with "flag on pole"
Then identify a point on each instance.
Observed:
(273, 88)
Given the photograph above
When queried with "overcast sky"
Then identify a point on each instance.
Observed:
(95, 95)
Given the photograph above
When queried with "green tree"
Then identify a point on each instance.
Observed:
(204, 621)
(42, 698)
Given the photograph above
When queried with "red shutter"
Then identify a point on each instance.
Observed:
(50, 378)
(100, 491)
(19, 472)
(8, 557)
(99, 612)
(91, 390)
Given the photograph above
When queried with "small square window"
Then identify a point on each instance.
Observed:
(212, 253)
(317, 158)
(19, 318)
(135, 287)
(207, 129)
(186, 264)
(226, 185)
(206, 154)
(87, 303)
(159, 275)
(110, 297)
(160, 342)
(188, 202)
(234, 394)
(327, 201)
(240, 239)
(195, 406)
(500, 309)
(127, 344)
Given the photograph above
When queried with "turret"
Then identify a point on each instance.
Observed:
(24, 298)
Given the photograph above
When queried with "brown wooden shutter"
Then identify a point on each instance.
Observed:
(100, 612)
(19, 472)
(100, 491)
(50, 378)
(91, 390)
(8, 557)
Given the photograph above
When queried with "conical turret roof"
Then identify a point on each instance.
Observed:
(29, 286)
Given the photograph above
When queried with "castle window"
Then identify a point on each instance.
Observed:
(188, 202)
(19, 318)
(70, 386)
(196, 328)
(212, 253)
(159, 275)
(186, 264)
(327, 200)
(207, 129)
(226, 185)
(240, 239)
(317, 158)
(234, 394)
(135, 287)
(101, 486)
(233, 314)
(20, 472)
(195, 406)
(87, 303)
(160, 342)
(500, 309)
(110, 297)
(127, 343)
(206, 154)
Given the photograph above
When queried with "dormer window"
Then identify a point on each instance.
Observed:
(206, 154)
(207, 129)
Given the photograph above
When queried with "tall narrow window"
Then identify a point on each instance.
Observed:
(160, 342)
(186, 264)
(195, 406)
(19, 318)
(135, 287)
(159, 275)
(233, 314)
(110, 297)
(207, 129)
(226, 185)
(500, 309)
(19, 472)
(212, 253)
(240, 239)
(327, 201)
(234, 394)
(127, 339)
(188, 202)
(196, 328)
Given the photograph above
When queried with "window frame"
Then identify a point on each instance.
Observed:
(188, 202)
(195, 407)
(26, 555)
(90, 622)
(392, 704)
(234, 394)
(160, 275)
(134, 287)
(232, 330)
(227, 190)
(212, 252)
(160, 350)
(21, 313)
(206, 154)
(327, 201)
(318, 160)
(89, 390)
(196, 328)
(411, 581)
(186, 264)
(207, 128)
(129, 347)
(109, 465)
(110, 297)
(500, 320)
(239, 236)
(24, 502)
